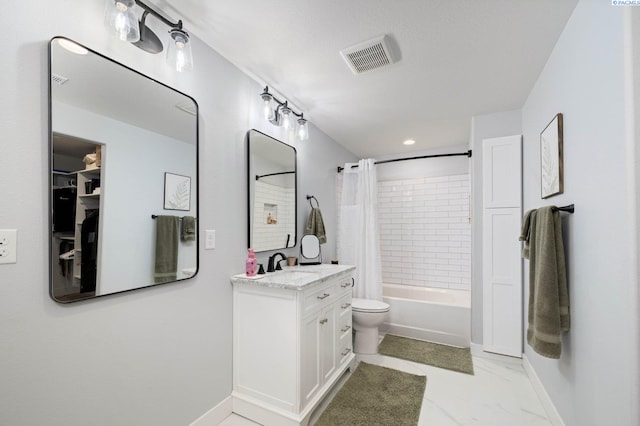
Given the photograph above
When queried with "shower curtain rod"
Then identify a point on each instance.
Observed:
(258, 177)
(457, 154)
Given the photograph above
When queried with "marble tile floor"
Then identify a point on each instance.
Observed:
(498, 394)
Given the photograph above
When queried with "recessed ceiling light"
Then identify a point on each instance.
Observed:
(409, 142)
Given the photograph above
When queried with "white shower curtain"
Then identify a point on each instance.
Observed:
(358, 234)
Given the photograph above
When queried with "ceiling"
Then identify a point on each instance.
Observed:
(458, 58)
(99, 85)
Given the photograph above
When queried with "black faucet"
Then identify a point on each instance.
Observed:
(272, 262)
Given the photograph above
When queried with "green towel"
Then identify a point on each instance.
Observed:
(166, 268)
(548, 292)
(315, 225)
(188, 229)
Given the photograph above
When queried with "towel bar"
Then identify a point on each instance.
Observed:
(153, 216)
(569, 209)
(311, 197)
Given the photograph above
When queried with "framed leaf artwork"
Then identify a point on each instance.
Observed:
(551, 162)
(177, 192)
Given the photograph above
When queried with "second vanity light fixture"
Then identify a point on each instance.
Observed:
(279, 113)
(120, 18)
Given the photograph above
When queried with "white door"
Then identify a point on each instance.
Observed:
(502, 264)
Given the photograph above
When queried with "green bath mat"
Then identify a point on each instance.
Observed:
(376, 395)
(443, 356)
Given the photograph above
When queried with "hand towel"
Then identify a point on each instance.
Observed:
(548, 292)
(315, 225)
(188, 229)
(166, 265)
(526, 231)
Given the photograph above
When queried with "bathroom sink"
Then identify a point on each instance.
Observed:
(296, 277)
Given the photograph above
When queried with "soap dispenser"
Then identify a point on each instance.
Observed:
(251, 264)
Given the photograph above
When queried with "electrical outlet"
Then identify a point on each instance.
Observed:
(8, 245)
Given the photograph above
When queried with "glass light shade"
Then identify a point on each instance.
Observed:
(269, 113)
(179, 51)
(303, 130)
(285, 115)
(120, 19)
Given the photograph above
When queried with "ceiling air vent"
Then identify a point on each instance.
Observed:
(368, 55)
(58, 79)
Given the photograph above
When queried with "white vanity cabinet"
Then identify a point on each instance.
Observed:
(291, 341)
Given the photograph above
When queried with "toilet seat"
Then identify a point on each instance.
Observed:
(368, 305)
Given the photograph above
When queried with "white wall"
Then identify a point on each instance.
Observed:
(157, 356)
(584, 79)
(632, 97)
(132, 189)
(317, 164)
(483, 127)
(426, 167)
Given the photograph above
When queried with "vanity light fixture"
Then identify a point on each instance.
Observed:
(120, 18)
(281, 114)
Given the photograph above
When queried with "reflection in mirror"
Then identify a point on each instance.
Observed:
(122, 147)
(272, 193)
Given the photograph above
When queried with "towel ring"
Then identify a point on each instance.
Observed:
(310, 198)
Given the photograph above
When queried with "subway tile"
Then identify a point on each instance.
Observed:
(411, 182)
(451, 268)
(416, 281)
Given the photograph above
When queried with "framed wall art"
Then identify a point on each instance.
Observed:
(551, 162)
(177, 192)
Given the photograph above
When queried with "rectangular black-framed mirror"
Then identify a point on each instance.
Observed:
(115, 136)
(272, 178)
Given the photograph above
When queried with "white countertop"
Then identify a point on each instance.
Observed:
(296, 277)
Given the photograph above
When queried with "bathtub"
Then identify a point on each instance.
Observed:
(433, 314)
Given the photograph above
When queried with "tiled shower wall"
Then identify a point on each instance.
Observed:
(278, 201)
(425, 231)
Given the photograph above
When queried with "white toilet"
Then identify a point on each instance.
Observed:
(368, 315)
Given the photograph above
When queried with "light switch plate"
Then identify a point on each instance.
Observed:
(209, 239)
(8, 245)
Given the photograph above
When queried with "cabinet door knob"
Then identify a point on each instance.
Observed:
(346, 352)
(324, 321)
(345, 306)
(346, 328)
(345, 285)
(324, 296)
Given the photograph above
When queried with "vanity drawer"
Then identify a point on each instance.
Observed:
(344, 326)
(319, 297)
(344, 306)
(345, 284)
(345, 347)
(344, 321)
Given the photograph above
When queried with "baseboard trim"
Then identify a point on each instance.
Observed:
(478, 350)
(547, 404)
(451, 339)
(216, 415)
